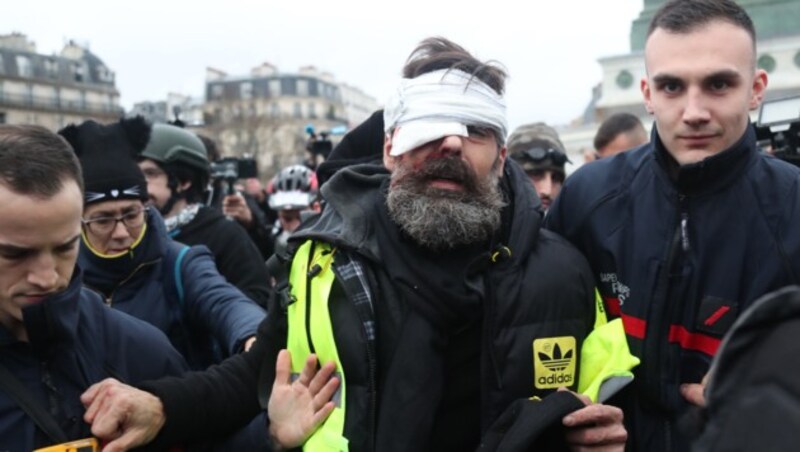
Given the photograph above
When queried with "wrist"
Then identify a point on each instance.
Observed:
(277, 445)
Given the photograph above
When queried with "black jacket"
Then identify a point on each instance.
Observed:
(75, 341)
(237, 258)
(542, 290)
(753, 393)
(679, 252)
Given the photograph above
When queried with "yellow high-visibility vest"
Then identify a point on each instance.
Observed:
(311, 279)
(606, 361)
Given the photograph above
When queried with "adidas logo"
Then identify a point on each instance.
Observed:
(554, 362)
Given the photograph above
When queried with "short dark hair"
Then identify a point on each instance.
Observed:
(685, 16)
(178, 173)
(615, 125)
(211, 148)
(35, 161)
(438, 53)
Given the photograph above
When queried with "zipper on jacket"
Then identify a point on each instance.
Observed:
(684, 227)
(110, 297)
(488, 333)
(313, 271)
(52, 391)
(659, 320)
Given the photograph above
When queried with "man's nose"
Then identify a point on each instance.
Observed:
(450, 144)
(546, 186)
(695, 112)
(43, 273)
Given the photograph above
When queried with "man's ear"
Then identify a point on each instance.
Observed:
(645, 87)
(183, 186)
(388, 160)
(759, 87)
(501, 160)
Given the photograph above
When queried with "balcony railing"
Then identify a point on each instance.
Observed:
(57, 104)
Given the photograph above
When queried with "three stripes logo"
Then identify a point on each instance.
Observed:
(554, 362)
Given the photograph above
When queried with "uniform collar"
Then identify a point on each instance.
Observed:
(710, 174)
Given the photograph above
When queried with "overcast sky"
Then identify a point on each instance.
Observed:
(550, 48)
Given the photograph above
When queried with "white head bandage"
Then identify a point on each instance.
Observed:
(440, 104)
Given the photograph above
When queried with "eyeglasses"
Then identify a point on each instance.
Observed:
(538, 154)
(104, 225)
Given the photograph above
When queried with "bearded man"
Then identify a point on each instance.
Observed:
(425, 286)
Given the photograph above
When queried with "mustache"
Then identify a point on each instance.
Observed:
(449, 168)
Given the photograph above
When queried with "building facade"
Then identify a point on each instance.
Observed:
(265, 114)
(54, 90)
(187, 109)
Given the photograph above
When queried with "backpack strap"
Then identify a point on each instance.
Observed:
(44, 420)
(179, 275)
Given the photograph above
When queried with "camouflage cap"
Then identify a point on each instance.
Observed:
(537, 135)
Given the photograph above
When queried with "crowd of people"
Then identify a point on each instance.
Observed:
(437, 283)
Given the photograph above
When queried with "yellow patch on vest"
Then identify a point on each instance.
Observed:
(554, 362)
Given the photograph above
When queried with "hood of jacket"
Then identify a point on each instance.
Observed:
(349, 216)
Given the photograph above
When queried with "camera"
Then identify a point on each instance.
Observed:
(231, 169)
(778, 128)
(318, 143)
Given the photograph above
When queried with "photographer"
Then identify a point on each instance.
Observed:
(237, 205)
(176, 166)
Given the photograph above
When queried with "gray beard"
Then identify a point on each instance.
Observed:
(440, 219)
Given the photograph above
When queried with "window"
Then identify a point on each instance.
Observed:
(312, 110)
(216, 91)
(275, 110)
(24, 68)
(51, 67)
(275, 87)
(289, 86)
(298, 110)
(2, 117)
(302, 88)
(105, 75)
(79, 72)
(245, 90)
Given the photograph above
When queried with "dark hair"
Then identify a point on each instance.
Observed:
(685, 16)
(178, 173)
(211, 148)
(438, 53)
(615, 125)
(35, 161)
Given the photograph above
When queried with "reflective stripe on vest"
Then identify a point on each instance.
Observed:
(311, 279)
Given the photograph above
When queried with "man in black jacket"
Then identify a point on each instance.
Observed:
(686, 232)
(56, 336)
(430, 276)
